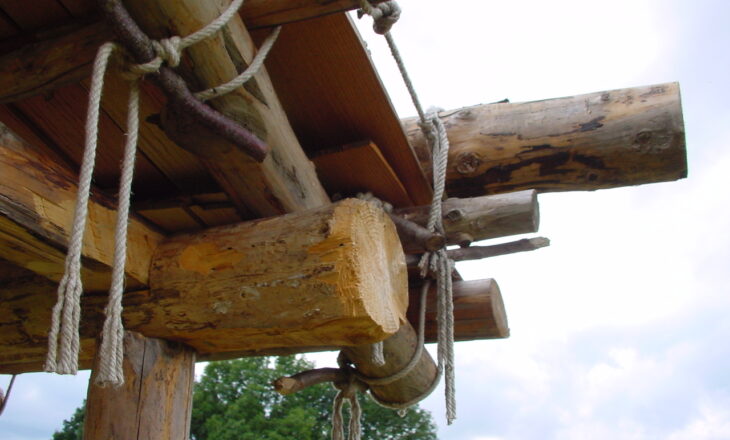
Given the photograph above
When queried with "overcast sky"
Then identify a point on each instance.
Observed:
(618, 329)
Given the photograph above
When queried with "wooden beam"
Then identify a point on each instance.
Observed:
(64, 55)
(482, 218)
(156, 400)
(333, 276)
(286, 180)
(479, 311)
(37, 200)
(599, 140)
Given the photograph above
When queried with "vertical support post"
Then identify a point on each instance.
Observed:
(156, 399)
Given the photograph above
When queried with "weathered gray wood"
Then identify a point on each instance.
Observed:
(485, 217)
(587, 142)
(156, 399)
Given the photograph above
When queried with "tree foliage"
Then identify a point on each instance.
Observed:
(234, 400)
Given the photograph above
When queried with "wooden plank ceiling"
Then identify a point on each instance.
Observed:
(330, 97)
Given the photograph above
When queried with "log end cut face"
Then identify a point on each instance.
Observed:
(333, 276)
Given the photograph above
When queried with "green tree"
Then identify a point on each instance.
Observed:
(73, 428)
(234, 400)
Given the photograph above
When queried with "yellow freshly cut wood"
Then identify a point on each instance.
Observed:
(328, 277)
(332, 276)
(37, 200)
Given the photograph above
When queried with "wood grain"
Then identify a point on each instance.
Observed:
(360, 167)
(334, 96)
(156, 400)
(579, 143)
(37, 199)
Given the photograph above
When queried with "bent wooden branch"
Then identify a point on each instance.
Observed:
(587, 142)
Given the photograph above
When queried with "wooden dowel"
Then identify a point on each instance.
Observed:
(299, 381)
(479, 252)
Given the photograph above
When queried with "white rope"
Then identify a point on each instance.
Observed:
(63, 336)
(384, 15)
(247, 74)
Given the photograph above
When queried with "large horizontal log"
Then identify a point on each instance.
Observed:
(333, 276)
(64, 55)
(587, 142)
(479, 311)
(481, 218)
(37, 199)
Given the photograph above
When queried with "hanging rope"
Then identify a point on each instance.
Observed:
(5, 396)
(63, 336)
(385, 15)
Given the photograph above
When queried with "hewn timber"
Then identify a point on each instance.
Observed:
(397, 351)
(482, 218)
(64, 55)
(479, 311)
(37, 200)
(587, 142)
(26, 300)
(335, 275)
(156, 400)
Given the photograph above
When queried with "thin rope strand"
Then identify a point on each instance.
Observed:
(247, 74)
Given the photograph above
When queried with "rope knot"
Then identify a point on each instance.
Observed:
(385, 15)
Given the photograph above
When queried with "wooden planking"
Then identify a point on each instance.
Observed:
(180, 166)
(37, 199)
(156, 399)
(360, 167)
(267, 13)
(333, 96)
(578, 143)
(62, 117)
(30, 15)
(79, 8)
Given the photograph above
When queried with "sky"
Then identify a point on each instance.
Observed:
(618, 329)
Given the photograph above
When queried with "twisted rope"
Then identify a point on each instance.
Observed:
(63, 336)
(384, 15)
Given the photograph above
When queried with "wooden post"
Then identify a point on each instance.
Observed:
(156, 399)
(578, 143)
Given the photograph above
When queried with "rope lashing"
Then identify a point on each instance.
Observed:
(63, 336)
(384, 15)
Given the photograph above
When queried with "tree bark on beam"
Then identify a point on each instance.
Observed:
(595, 141)
(37, 200)
(156, 400)
(66, 55)
(481, 218)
